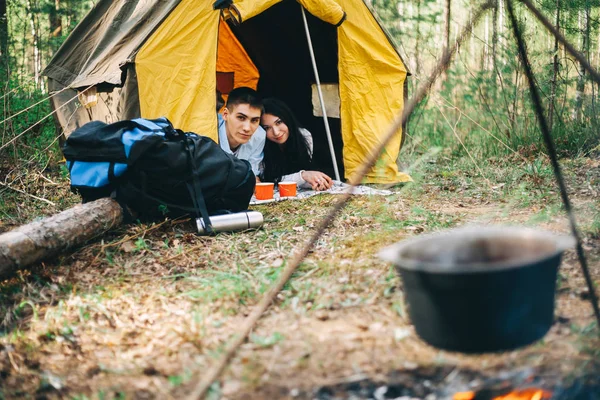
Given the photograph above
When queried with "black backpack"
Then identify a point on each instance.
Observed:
(157, 170)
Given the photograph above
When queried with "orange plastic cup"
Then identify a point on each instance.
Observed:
(287, 189)
(263, 190)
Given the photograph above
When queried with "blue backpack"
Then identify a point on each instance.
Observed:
(156, 170)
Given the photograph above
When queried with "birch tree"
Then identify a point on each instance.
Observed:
(36, 60)
(555, 67)
(585, 49)
(447, 16)
(3, 43)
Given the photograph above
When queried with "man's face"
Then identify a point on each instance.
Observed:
(241, 121)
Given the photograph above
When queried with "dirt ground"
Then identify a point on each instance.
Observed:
(146, 310)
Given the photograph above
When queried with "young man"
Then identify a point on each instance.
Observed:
(240, 132)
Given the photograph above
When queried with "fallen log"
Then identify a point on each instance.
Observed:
(50, 236)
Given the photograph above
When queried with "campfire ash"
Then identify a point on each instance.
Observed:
(444, 383)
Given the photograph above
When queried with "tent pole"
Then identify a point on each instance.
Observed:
(325, 121)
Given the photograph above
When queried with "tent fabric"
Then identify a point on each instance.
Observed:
(250, 8)
(153, 59)
(171, 80)
(371, 82)
(232, 57)
(105, 40)
(276, 42)
(326, 10)
(112, 105)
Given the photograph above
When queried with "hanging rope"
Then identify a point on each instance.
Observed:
(450, 104)
(9, 92)
(537, 103)
(26, 83)
(30, 107)
(62, 132)
(212, 374)
(453, 128)
(38, 122)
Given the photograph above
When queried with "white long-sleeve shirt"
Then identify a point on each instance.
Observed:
(297, 176)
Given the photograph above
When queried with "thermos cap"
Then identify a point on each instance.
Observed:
(255, 219)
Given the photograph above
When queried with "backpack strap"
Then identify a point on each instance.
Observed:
(196, 190)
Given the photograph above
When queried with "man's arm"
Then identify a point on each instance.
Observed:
(222, 134)
(256, 155)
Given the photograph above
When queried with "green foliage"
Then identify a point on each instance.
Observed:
(32, 32)
(266, 341)
(140, 245)
(594, 227)
(217, 285)
(483, 108)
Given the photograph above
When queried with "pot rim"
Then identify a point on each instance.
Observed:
(393, 253)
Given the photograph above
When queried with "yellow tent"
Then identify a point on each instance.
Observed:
(174, 68)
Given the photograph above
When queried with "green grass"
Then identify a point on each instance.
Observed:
(217, 280)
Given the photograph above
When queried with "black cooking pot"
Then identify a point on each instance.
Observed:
(480, 289)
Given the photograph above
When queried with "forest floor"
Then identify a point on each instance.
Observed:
(146, 310)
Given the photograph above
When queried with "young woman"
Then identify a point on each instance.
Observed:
(288, 149)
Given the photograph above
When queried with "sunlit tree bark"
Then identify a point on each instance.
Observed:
(501, 29)
(486, 43)
(35, 50)
(55, 20)
(494, 34)
(418, 39)
(447, 5)
(3, 43)
(555, 66)
(585, 49)
(446, 37)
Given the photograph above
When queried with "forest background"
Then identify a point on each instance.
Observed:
(482, 108)
(489, 164)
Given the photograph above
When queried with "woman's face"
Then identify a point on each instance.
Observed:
(277, 130)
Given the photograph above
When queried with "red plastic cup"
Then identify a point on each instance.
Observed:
(287, 189)
(263, 190)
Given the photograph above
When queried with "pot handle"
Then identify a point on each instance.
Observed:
(564, 242)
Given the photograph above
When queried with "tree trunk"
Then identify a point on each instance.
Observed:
(3, 45)
(446, 37)
(494, 35)
(418, 39)
(500, 44)
(585, 50)
(49, 237)
(447, 25)
(55, 20)
(36, 58)
(554, 70)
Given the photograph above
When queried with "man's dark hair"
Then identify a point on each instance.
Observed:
(244, 95)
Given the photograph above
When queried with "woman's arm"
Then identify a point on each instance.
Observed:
(315, 180)
(296, 177)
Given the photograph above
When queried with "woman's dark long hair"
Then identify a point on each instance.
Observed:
(294, 155)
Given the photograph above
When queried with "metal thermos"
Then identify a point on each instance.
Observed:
(232, 222)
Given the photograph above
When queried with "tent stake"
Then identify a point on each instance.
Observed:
(325, 121)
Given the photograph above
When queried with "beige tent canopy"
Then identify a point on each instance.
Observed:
(167, 58)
